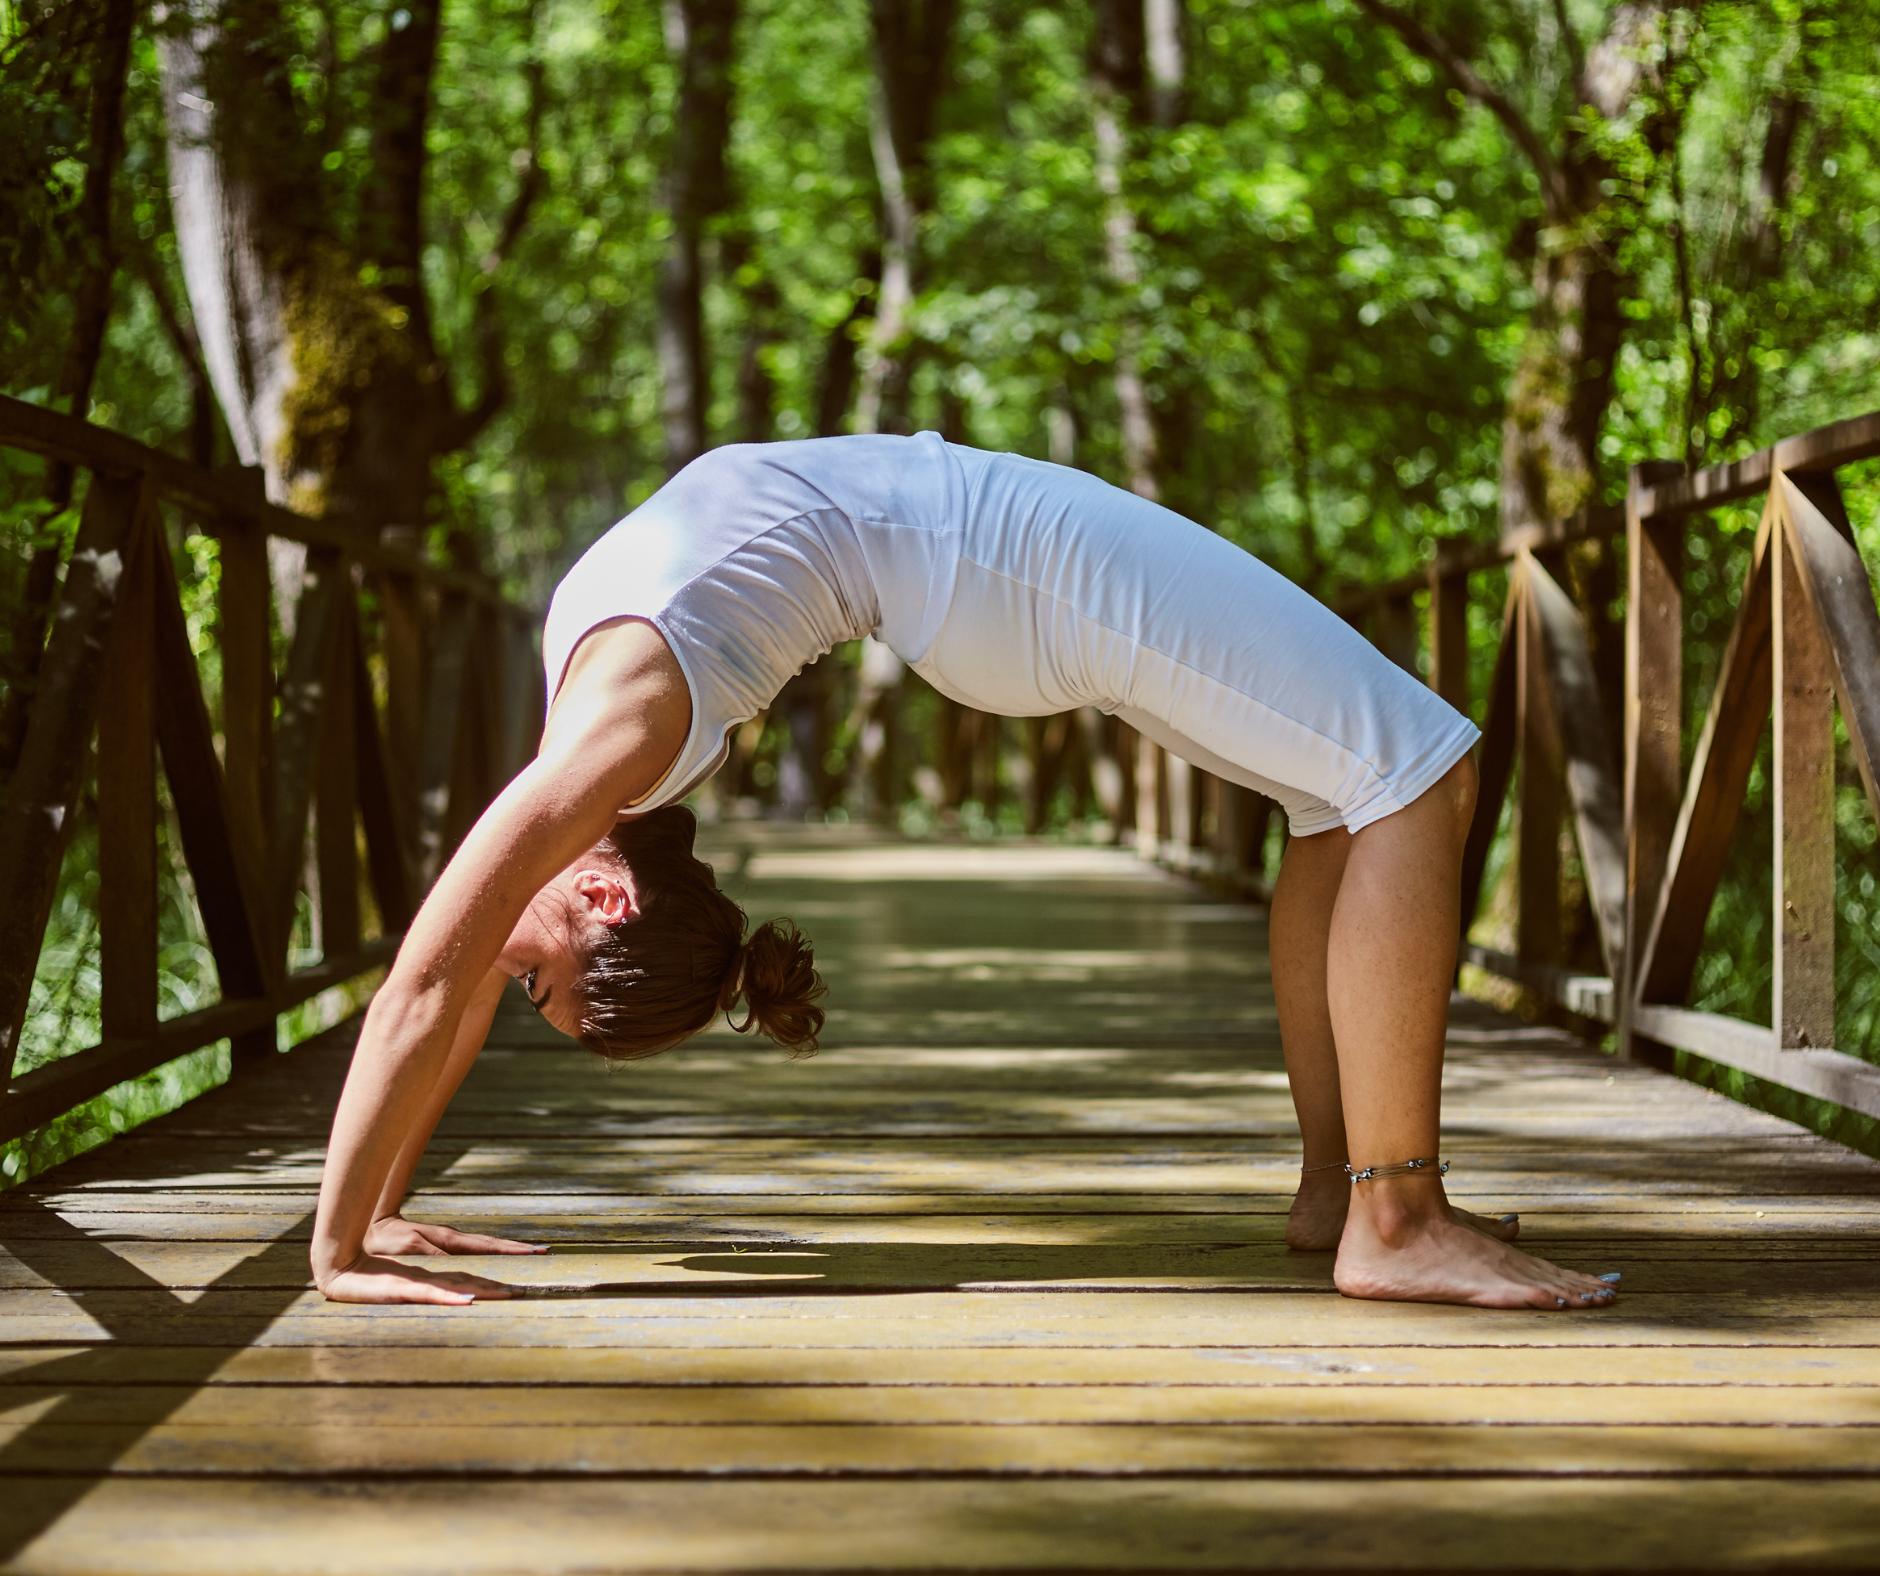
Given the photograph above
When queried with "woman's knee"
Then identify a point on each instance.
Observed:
(1461, 783)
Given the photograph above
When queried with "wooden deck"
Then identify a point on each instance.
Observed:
(995, 1282)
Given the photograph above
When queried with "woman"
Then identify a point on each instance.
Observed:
(1016, 587)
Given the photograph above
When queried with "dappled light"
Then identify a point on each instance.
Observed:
(1033, 1277)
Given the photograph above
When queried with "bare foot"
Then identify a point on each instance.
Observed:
(1439, 1259)
(1316, 1220)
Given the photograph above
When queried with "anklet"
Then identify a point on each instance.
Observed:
(1334, 1165)
(1400, 1168)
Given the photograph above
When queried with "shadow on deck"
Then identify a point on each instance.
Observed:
(995, 1282)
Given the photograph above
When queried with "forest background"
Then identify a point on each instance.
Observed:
(1342, 279)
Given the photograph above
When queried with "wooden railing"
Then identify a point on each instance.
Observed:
(1651, 835)
(1581, 721)
(400, 779)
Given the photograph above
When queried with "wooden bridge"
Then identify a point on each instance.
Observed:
(997, 1281)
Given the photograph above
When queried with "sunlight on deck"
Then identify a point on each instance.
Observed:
(996, 1281)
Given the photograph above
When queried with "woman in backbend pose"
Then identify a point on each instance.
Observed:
(1016, 587)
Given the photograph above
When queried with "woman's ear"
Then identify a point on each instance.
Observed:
(608, 894)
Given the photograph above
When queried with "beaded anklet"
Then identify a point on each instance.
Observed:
(1398, 1169)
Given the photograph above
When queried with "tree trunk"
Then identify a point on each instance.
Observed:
(911, 38)
(333, 388)
(233, 156)
(1118, 100)
(699, 34)
(1563, 379)
(92, 284)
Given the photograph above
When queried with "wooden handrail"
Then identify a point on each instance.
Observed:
(228, 499)
(305, 744)
(1653, 836)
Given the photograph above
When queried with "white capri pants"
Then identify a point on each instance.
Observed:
(1072, 592)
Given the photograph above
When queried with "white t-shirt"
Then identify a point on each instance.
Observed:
(757, 558)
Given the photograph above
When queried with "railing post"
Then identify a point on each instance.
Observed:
(41, 798)
(1151, 797)
(243, 594)
(1654, 702)
(127, 798)
(1396, 632)
(1449, 635)
(1538, 804)
(1803, 1005)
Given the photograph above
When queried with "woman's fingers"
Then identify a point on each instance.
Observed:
(449, 1240)
(391, 1283)
(478, 1286)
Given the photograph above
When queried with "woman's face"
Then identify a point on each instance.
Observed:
(559, 930)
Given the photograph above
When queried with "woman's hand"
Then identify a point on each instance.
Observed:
(391, 1236)
(372, 1279)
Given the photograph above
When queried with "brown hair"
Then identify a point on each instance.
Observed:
(664, 974)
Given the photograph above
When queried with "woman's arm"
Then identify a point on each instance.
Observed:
(391, 1234)
(621, 718)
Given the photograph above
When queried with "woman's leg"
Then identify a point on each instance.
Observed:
(1391, 956)
(1298, 941)
(1298, 934)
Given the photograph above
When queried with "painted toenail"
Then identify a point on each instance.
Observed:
(1612, 1276)
(1560, 1302)
(1509, 1220)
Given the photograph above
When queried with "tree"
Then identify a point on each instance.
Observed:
(62, 43)
(911, 38)
(699, 36)
(314, 320)
(1563, 379)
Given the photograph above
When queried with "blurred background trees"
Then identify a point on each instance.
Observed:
(1339, 278)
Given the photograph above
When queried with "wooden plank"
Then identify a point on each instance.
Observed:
(402, 644)
(806, 1447)
(1825, 1074)
(635, 1269)
(1841, 593)
(1733, 1374)
(249, 1416)
(1593, 785)
(1152, 800)
(1840, 443)
(390, 846)
(296, 739)
(1541, 776)
(1805, 1226)
(42, 794)
(127, 797)
(229, 878)
(47, 1091)
(1589, 995)
(336, 786)
(1803, 689)
(1654, 700)
(1395, 631)
(222, 495)
(1495, 767)
(460, 1527)
(243, 596)
(802, 1317)
(1720, 768)
(441, 746)
(1449, 636)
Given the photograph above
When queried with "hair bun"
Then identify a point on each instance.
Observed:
(775, 971)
